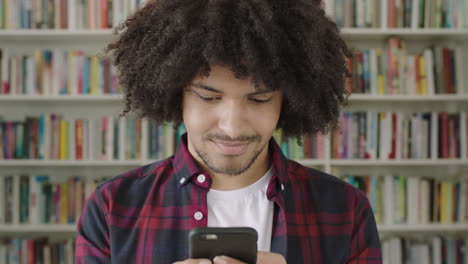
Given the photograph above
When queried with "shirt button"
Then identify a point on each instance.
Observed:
(282, 187)
(198, 216)
(182, 180)
(201, 178)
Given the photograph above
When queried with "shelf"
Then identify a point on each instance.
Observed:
(407, 33)
(426, 162)
(70, 228)
(353, 33)
(62, 98)
(306, 162)
(428, 228)
(118, 98)
(408, 98)
(56, 34)
(70, 163)
(42, 228)
(78, 163)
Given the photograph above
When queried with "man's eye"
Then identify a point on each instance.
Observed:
(208, 98)
(260, 100)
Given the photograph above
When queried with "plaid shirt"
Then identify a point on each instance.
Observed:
(144, 215)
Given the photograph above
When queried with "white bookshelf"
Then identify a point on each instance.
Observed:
(352, 98)
(349, 33)
(13, 106)
(70, 228)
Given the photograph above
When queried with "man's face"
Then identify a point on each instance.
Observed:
(228, 122)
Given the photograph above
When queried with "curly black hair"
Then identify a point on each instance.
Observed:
(287, 45)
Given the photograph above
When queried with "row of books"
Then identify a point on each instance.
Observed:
(65, 14)
(43, 199)
(37, 250)
(398, 13)
(435, 250)
(436, 70)
(310, 147)
(395, 250)
(397, 199)
(54, 137)
(57, 72)
(399, 135)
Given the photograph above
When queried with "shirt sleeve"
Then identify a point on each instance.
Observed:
(92, 242)
(365, 242)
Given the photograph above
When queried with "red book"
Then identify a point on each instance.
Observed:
(447, 73)
(31, 256)
(349, 81)
(391, 13)
(104, 14)
(392, 155)
(443, 137)
(64, 14)
(80, 63)
(418, 74)
(79, 139)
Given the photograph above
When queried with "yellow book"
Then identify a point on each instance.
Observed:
(94, 70)
(443, 203)
(378, 201)
(63, 140)
(70, 65)
(380, 73)
(449, 206)
(63, 203)
(422, 70)
(39, 64)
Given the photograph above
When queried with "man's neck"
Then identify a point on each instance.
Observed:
(223, 182)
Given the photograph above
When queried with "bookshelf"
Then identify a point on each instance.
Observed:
(384, 229)
(13, 105)
(92, 41)
(28, 40)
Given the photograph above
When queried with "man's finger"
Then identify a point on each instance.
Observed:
(226, 260)
(194, 261)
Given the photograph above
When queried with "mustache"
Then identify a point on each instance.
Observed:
(229, 139)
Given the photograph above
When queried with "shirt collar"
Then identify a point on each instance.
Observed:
(185, 167)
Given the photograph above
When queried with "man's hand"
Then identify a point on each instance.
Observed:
(262, 258)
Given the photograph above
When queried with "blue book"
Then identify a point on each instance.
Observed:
(41, 143)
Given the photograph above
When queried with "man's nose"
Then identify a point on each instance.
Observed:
(232, 119)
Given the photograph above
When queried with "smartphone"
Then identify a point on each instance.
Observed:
(235, 242)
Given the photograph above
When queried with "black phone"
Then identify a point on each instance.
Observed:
(235, 242)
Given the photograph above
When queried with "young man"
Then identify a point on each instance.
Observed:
(233, 71)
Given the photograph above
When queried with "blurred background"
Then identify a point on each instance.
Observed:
(403, 139)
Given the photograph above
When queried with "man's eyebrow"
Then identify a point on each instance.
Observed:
(206, 87)
(211, 89)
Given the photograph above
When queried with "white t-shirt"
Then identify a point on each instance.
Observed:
(248, 206)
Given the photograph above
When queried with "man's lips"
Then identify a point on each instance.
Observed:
(231, 148)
